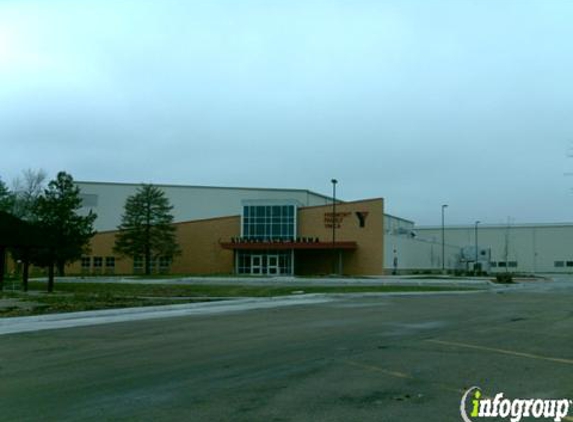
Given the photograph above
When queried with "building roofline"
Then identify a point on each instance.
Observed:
(494, 226)
(86, 182)
(343, 203)
(400, 218)
(176, 223)
(204, 220)
(224, 217)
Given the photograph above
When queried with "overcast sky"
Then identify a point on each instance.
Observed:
(466, 103)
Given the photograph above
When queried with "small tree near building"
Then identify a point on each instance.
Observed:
(19, 204)
(146, 228)
(6, 198)
(69, 233)
(6, 205)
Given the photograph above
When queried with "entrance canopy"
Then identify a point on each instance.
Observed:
(277, 257)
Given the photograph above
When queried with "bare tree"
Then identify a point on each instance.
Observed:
(27, 189)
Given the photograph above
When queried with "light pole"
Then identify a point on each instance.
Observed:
(334, 182)
(443, 240)
(476, 238)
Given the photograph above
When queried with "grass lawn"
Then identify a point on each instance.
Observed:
(71, 297)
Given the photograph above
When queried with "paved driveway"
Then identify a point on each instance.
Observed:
(392, 358)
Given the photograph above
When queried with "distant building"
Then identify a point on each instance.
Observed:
(524, 248)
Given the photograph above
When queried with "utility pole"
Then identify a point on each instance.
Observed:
(506, 251)
(443, 240)
(334, 221)
(476, 265)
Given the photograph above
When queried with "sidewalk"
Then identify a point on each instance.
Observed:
(288, 280)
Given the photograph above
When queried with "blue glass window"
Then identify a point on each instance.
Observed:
(267, 222)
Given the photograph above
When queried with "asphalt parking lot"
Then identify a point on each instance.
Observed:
(392, 358)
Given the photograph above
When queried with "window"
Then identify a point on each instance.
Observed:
(267, 222)
(501, 264)
(161, 263)
(512, 264)
(98, 263)
(89, 200)
(137, 264)
(493, 264)
(558, 263)
(164, 263)
(86, 262)
(244, 263)
(109, 264)
(569, 263)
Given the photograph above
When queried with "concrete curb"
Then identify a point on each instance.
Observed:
(285, 281)
(105, 316)
(86, 318)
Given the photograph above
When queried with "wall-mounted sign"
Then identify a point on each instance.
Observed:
(361, 215)
(336, 220)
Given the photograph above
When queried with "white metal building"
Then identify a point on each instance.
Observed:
(107, 200)
(527, 248)
(405, 251)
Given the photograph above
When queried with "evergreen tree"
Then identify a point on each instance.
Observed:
(69, 233)
(146, 228)
(6, 198)
(6, 205)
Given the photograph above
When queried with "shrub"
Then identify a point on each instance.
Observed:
(504, 278)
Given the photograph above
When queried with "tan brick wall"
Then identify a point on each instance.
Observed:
(199, 242)
(368, 258)
(102, 245)
(202, 253)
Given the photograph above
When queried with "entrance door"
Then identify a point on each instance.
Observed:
(273, 264)
(256, 264)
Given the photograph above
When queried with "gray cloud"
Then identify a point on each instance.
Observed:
(423, 103)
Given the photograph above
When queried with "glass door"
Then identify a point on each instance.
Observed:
(256, 264)
(273, 264)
